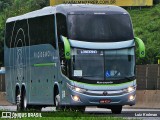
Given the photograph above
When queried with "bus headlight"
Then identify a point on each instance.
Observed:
(129, 89)
(77, 89)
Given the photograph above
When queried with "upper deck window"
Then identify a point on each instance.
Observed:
(100, 27)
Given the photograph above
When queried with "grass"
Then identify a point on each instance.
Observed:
(71, 116)
(146, 24)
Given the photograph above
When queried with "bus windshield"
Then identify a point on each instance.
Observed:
(100, 28)
(103, 64)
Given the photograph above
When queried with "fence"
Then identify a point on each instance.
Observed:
(148, 78)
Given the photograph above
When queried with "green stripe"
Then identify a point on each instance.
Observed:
(44, 64)
(103, 84)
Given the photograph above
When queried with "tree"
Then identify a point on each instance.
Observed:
(10, 8)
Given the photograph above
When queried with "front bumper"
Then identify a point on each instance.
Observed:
(92, 100)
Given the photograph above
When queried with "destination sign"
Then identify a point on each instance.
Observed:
(88, 52)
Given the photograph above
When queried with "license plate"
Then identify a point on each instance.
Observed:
(105, 101)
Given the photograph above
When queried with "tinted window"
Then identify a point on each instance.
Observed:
(100, 28)
(17, 34)
(61, 25)
(8, 34)
(42, 30)
(62, 30)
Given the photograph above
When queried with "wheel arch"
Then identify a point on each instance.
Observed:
(23, 88)
(17, 91)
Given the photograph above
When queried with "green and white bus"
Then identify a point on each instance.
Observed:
(71, 56)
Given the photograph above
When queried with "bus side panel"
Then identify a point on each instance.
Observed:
(8, 54)
(30, 59)
(42, 59)
(43, 74)
(9, 78)
(16, 56)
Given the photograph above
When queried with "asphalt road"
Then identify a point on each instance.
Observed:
(142, 114)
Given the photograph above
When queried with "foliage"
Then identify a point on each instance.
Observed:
(146, 24)
(4, 4)
(10, 8)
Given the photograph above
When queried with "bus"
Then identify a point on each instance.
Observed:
(71, 56)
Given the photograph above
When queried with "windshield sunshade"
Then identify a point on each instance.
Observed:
(100, 28)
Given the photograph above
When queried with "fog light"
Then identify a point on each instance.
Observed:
(131, 98)
(75, 98)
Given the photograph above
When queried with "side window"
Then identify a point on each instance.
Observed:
(8, 33)
(61, 25)
(62, 30)
(42, 30)
(16, 34)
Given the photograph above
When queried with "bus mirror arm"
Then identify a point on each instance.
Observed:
(67, 47)
(141, 47)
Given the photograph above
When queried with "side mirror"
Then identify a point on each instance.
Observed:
(141, 47)
(67, 48)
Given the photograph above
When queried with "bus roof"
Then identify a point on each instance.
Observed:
(70, 9)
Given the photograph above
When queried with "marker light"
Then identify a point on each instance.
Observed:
(75, 98)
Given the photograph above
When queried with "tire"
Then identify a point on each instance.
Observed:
(81, 109)
(18, 102)
(24, 101)
(116, 109)
(77, 108)
(34, 108)
(57, 102)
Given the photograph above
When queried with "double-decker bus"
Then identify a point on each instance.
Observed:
(71, 56)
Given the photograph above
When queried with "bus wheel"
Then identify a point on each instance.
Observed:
(24, 100)
(18, 102)
(116, 109)
(81, 109)
(57, 102)
(34, 108)
(38, 108)
(78, 108)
